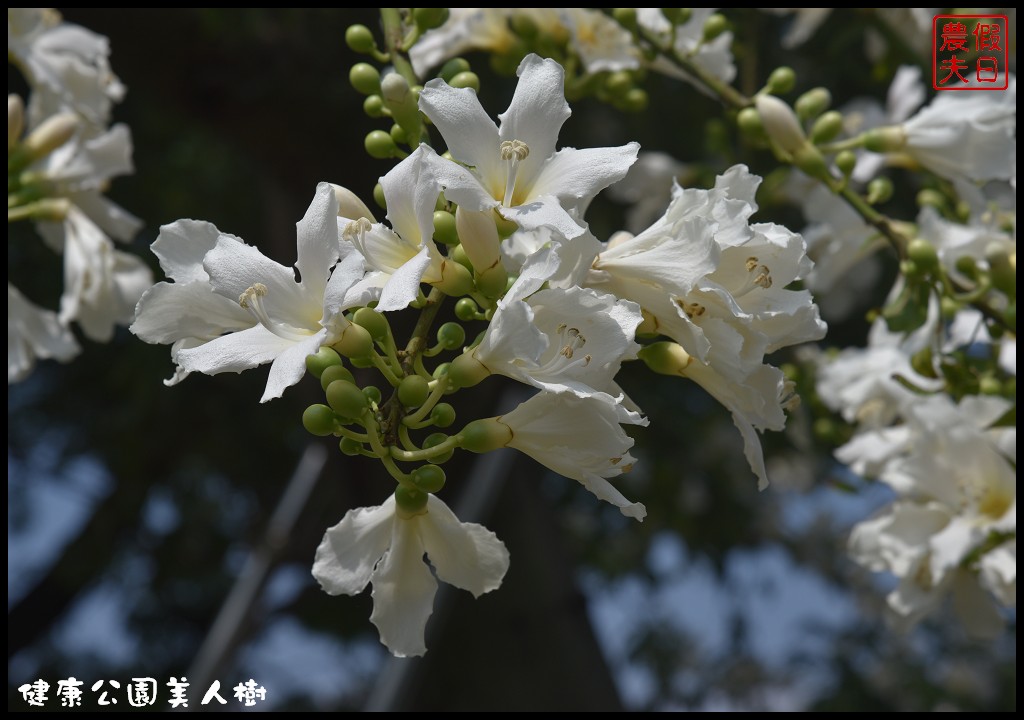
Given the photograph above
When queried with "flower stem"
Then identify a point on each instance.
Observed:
(440, 385)
(431, 452)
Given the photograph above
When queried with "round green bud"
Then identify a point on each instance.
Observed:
(827, 127)
(635, 100)
(429, 18)
(452, 68)
(618, 83)
(350, 447)
(410, 500)
(451, 336)
(378, 196)
(335, 372)
(909, 268)
(846, 161)
(492, 281)
(781, 81)
(949, 307)
(322, 359)
(879, 190)
(626, 17)
(967, 265)
(812, 103)
(397, 134)
(379, 145)
(891, 138)
(665, 358)
(444, 228)
(1002, 269)
(355, 342)
(413, 391)
(361, 362)
(456, 280)
(485, 435)
(714, 26)
(346, 399)
(504, 226)
(441, 370)
(466, 371)
(458, 254)
(749, 122)
(374, 322)
(373, 106)
(373, 394)
(523, 26)
(428, 478)
(931, 198)
(434, 439)
(466, 309)
(923, 254)
(923, 364)
(319, 420)
(443, 415)
(365, 78)
(989, 385)
(360, 39)
(674, 15)
(466, 79)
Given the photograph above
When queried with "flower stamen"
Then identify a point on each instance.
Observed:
(758, 276)
(356, 229)
(252, 300)
(512, 151)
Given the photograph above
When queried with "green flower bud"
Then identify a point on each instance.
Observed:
(885, 139)
(350, 447)
(452, 68)
(989, 385)
(781, 81)
(949, 307)
(373, 394)
(373, 106)
(827, 127)
(811, 162)
(379, 145)
(360, 39)
(428, 478)
(923, 254)
(909, 268)
(968, 266)
(466, 309)
(846, 161)
(458, 254)
(410, 501)
(444, 228)
(618, 83)
(346, 399)
(485, 435)
(626, 17)
(781, 124)
(451, 336)
(378, 196)
(322, 359)
(15, 120)
(879, 190)
(492, 281)
(931, 198)
(318, 420)
(748, 120)
(467, 79)
(441, 370)
(635, 100)
(355, 342)
(52, 133)
(434, 439)
(398, 135)
(812, 103)
(504, 226)
(466, 371)
(374, 322)
(1002, 267)
(665, 358)
(714, 26)
(429, 18)
(923, 363)
(413, 391)
(365, 78)
(456, 280)
(443, 415)
(335, 372)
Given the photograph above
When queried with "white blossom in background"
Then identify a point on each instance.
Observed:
(714, 57)
(601, 43)
(385, 546)
(67, 66)
(516, 169)
(33, 332)
(956, 493)
(289, 319)
(803, 23)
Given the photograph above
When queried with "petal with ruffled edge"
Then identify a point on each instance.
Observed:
(351, 549)
(465, 555)
(317, 240)
(33, 332)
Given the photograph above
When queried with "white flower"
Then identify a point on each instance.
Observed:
(714, 57)
(516, 170)
(289, 319)
(953, 241)
(601, 43)
(33, 332)
(580, 438)
(66, 65)
(804, 23)
(406, 255)
(572, 340)
(384, 545)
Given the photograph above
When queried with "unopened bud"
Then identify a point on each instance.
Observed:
(445, 230)
(1002, 267)
(50, 135)
(781, 81)
(365, 78)
(479, 238)
(879, 190)
(466, 80)
(15, 120)
(846, 161)
(429, 18)
(355, 342)
(665, 358)
(885, 139)
(360, 39)
(452, 68)
(780, 123)
(923, 254)
(484, 435)
(467, 371)
(380, 145)
(812, 103)
(827, 127)
(350, 206)
(714, 26)
(626, 17)
(455, 281)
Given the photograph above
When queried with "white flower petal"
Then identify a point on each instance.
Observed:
(576, 176)
(290, 365)
(466, 555)
(317, 240)
(404, 284)
(235, 267)
(235, 352)
(350, 550)
(181, 247)
(468, 131)
(403, 592)
(411, 191)
(33, 332)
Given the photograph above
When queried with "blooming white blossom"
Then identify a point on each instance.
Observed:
(67, 66)
(601, 43)
(33, 332)
(714, 57)
(516, 170)
(384, 546)
(289, 319)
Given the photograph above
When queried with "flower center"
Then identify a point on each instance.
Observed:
(692, 310)
(355, 230)
(252, 300)
(512, 152)
(571, 341)
(758, 275)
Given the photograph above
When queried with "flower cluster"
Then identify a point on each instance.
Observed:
(498, 223)
(62, 154)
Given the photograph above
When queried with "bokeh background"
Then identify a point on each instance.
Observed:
(134, 509)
